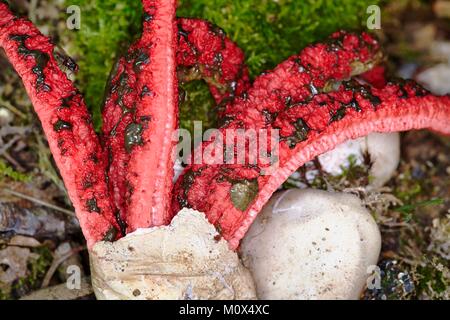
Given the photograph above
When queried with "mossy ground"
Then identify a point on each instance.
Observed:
(267, 30)
(37, 268)
(8, 171)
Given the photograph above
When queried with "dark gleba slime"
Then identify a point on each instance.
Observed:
(123, 180)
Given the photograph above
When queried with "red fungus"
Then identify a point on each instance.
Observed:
(310, 122)
(303, 98)
(149, 137)
(204, 52)
(66, 123)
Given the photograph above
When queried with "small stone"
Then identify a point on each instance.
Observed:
(6, 117)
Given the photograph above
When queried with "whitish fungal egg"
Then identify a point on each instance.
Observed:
(185, 260)
(311, 244)
(383, 150)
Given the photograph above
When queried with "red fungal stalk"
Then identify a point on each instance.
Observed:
(149, 137)
(204, 52)
(376, 77)
(310, 124)
(66, 123)
(119, 113)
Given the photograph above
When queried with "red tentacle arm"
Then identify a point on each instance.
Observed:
(149, 137)
(316, 69)
(232, 195)
(119, 113)
(66, 123)
(204, 52)
(349, 114)
(375, 77)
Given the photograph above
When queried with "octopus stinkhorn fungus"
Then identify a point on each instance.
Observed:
(203, 52)
(123, 180)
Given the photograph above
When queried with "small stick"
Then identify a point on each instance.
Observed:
(13, 109)
(39, 202)
(13, 161)
(55, 264)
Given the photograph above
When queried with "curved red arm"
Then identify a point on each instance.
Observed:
(66, 123)
(205, 52)
(309, 125)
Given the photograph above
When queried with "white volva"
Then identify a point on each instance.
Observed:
(185, 260)
(311, 244)
(383, 149)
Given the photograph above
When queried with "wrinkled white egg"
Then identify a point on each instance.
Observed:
(311, 244)
(383, 149)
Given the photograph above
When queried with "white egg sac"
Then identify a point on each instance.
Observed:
(382, 148)
(311, 244)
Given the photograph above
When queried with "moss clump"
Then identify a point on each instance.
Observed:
(414, 193)
(7, 171)
(268, 31)
(36, 272)
(197, 105)
(37, 267)
(107, 28)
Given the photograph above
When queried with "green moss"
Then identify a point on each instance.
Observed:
(353, 172)
(198, 105)
(38, 268)
(414, 194)
(7, 171)
(36, 272)
(107, 29)
(268, 31)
